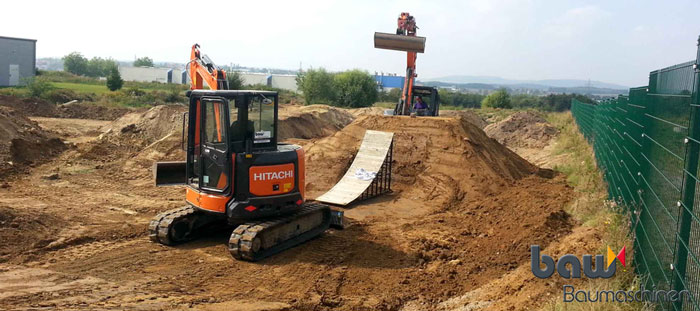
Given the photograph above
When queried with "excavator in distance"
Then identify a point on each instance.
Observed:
(236, 173)
(406, 40)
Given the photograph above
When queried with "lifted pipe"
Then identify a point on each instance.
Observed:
(390, 41)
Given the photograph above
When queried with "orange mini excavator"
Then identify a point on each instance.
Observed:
(236, 173)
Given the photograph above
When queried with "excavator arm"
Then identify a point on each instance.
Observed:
(203, 70)
(406, 40)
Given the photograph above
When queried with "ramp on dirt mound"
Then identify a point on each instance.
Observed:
(373, 153)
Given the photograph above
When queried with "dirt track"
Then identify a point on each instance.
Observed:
(464, 212)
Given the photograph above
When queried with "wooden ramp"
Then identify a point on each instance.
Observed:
(374, 157)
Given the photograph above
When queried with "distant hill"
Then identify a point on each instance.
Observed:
(533, 84)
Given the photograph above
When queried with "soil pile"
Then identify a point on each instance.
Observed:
(312, 121)
(23, 143)
(35, 107)
(442, 143)
(24, 230)
(465, 206)
(149, 126)
(368, 111)
(468, 115)
(138, 139)
(524, 129)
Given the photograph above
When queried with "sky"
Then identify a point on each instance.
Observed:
(616, 41)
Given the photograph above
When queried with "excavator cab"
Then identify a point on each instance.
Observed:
(232, 152)
(225, 124)
(430, 97)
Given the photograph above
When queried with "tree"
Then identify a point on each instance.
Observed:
(99, 67)
(143, 62)
(235, 81)
(497, 99)
(317, 85)
(75, 63)
(114, 80)
(355, 88)
(391, 96)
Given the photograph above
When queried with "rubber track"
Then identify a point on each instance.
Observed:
(241, 241)
(159, 226)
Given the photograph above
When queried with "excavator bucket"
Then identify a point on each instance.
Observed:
(399, 42)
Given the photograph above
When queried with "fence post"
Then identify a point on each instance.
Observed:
(691, 167)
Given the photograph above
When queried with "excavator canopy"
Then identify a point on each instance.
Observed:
(399, 42)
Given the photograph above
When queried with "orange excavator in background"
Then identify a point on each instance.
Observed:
(406, 40)
(236, 173)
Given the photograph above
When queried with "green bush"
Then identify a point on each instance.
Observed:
(498, 99)
(143, 62)
(318, 86)
(174, 96)
(37, 87)
(235, 81)
(355, 88)
(392, 95)
(134, 92)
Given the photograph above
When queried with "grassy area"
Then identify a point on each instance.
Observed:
(81, 87)
(62, 87)
(592, 209)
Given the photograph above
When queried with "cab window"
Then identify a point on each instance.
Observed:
(261, 115)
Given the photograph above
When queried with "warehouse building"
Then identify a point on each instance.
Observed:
(146, 74)
(17, 60)
(285, 82)
(386, 82)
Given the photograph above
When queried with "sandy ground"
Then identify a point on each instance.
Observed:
(461, 219)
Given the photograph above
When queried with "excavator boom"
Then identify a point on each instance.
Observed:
(203, 70)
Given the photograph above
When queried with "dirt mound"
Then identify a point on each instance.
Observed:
(468, 115)
(149, 126)
(368, 111)
(465, 206)
(23, 143)
(17, 225)
(523, 129)
(441, 142)
(312, 121)
(138, 139)
(32, 107)
(91, 111)
(35, 107)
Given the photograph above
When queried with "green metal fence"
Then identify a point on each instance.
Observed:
(647, 145)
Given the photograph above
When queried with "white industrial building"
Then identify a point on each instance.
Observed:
(152, 74)
(168, 75)
(285, 82)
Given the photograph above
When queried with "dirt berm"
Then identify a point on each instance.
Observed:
(525, 129)
(464, 207)
(35, 107)
(23, 143)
